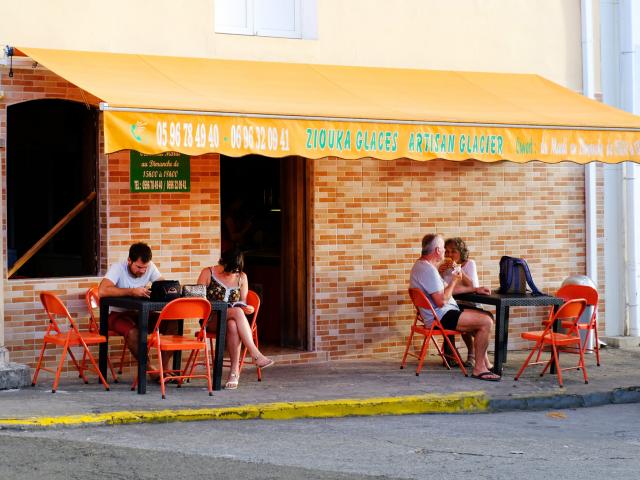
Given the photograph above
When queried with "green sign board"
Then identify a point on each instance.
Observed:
(166, 172)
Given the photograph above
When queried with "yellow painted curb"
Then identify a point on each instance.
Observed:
(463, 402)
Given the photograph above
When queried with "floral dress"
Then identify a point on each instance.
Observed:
(216, 290)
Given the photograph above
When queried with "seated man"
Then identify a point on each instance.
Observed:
(425, 276)
(130, 278)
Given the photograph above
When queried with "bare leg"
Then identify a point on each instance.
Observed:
(244, 332)
(471, 353)
(468, 341)
(132, 342)
(233, 347)
(479, 324)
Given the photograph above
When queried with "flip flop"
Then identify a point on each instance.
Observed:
(487, 376)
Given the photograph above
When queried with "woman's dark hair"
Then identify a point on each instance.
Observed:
(459, 245)
(232, 260)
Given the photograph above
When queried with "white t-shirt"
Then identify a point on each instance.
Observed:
(427, 278)
(119, 274)
(469, 268)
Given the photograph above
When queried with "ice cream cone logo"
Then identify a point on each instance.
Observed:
(137, 129)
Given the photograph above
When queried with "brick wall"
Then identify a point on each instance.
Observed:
(369, 218)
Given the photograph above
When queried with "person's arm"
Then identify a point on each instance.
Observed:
(244, 289)
(469, 274)
(443, 296)
(466, 281)
(108, 289)
(205, 277)
(471, 289)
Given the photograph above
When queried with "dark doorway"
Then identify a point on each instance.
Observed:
(264, 212)
(51, 167)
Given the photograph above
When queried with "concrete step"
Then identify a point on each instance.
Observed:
(14, 375)
(621, 342)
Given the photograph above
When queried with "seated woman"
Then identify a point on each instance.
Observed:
(228, 283)
(457, 253)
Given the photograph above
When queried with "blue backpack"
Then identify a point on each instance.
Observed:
(515, 276)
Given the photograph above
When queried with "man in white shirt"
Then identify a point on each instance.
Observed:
(425, 276)
(131, 278)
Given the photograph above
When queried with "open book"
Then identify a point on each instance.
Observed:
(237, 304)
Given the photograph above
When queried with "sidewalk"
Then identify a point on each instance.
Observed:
(328, 389)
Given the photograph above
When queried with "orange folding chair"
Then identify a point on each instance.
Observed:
(254, 300)
(420, 300)
(54, 307)
(178, 309)
(568, 314)
(92, 300)
(590, 294)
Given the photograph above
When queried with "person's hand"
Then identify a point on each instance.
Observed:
(456, 275)
(141, 292)
(483, 291)
(248, 309)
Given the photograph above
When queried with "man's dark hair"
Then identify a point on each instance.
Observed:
(140, 251)
(232, 260)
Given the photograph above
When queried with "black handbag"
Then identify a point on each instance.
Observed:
(165, 290)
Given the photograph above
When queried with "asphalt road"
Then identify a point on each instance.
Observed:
(601, 442)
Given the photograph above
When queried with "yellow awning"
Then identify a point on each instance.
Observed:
(195, 106)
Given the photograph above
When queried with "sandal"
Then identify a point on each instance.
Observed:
(232, 383)
(451, 360)
(268, 363)
(167, 378)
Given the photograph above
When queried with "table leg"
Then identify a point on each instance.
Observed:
(505, 345)
(552, 369)
(220, 346)
(177, 355)
(103, 352)
(143, 331)
(502, 324)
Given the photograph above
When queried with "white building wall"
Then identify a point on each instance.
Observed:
(541, 36)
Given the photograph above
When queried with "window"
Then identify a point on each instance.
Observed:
(267, 18)
(51, 168)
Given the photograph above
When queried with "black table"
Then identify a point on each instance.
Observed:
(144, 306)
(502, 302)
